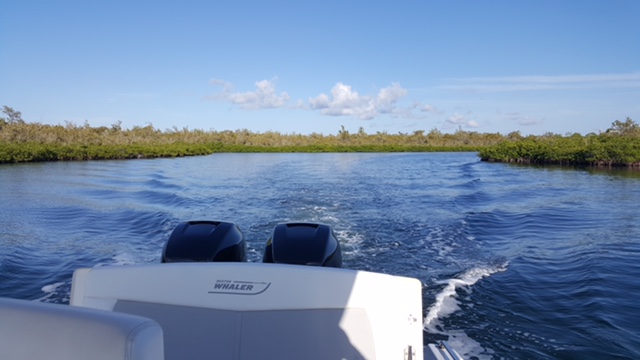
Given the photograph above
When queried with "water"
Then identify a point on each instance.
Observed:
(517, 262)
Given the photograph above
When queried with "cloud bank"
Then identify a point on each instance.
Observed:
(342, 100)
(461, 121)
(263, 97)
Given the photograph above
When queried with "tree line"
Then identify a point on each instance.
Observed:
(617, 146)
(22, 141)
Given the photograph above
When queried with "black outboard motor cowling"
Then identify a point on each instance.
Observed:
(205, 241)
(303, 244)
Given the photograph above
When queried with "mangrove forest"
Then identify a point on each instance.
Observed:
(22, 141)
(618, 146)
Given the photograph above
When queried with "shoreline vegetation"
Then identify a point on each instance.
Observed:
(618, 146)
(21, 141)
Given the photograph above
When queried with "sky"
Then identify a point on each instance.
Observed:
(533, 66)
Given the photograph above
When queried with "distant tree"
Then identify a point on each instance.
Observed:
(13, 117)
(343, 133)
(515, 136)
(625, 128)
(117, 126)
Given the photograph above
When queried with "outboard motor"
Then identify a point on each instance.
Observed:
(205, 241)
(303, 244)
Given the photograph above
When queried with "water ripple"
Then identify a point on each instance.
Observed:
(516, 262)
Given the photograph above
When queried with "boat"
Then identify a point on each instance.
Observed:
(203, 300)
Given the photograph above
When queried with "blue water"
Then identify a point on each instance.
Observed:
(517, 262)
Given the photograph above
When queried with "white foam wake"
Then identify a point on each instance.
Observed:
(52, 291)
(446, 303)
(350, 242)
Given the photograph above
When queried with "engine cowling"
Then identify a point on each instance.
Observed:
(205, 241)
(303, 244)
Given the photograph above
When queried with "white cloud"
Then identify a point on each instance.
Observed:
(529, 83)
(428, 108)
(263, 97)
(461, 121)
(344, 101)
(522, 120)
(456, 119)
(227, 86)
(390, 95)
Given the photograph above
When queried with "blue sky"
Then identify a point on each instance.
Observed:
(532, 66)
